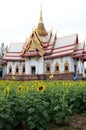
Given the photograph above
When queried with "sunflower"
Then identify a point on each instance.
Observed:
(51, 76)
(20, 88)
(41, 88)
(13, 77)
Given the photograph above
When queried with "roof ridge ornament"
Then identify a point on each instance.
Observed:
(41, 19)
(41, 28)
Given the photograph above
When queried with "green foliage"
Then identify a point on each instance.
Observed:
(25, 103)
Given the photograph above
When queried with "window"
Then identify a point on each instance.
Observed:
(33, 70)
(75, 68)
(17, 70)
(48, 68)
(10, 70)
(56, 68)
(23, 69)
(66, 67)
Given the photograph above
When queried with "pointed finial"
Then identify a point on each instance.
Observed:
(41, 20)
(40, 28)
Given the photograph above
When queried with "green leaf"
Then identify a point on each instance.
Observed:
(56, 108)
(45, 115)
(32, 125)
(31, 110)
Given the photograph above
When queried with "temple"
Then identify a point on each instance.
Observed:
(44, 54)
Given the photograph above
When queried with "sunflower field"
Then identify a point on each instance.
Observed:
(35, 104)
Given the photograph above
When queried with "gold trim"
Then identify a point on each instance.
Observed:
(40, 28)
(48, 68)
(36, 58)
(17, 67)
(66, 64)
(57, 71)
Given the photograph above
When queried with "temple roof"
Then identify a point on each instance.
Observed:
(47, 45)
(84, 52)
(63, 46)
(36, 46)
(14, 52)
(16, 46)
(78, 53)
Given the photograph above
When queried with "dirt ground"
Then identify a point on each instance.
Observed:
(77, 122)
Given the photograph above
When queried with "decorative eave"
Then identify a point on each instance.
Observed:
(84, 56)
(60, 51)
(79, 53)
(50, 47)
(33, 46)
(13, 56)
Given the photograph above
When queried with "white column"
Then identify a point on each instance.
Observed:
(27, 66)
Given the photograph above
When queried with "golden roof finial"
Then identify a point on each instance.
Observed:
(40, 28)
(41, 20)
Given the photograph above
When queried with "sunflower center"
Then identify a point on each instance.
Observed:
(41, 87)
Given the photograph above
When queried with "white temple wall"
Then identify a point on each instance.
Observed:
(13, 65)
(83, 70)
(80, 66)
(27, 66)
(40, 66)
(37, 63)
(8, 65)
(73, 64)
(61, 61)
(57, 60)
(64, 60)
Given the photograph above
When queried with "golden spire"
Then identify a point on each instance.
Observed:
(41, 20)
(40, 28)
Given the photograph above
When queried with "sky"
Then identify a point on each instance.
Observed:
(19, 17)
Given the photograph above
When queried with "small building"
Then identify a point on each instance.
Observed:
(44, 54)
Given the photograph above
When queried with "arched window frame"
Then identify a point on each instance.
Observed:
(17, 70)
(66, 67)
(55, 70)
(48, 68)
(10, 70)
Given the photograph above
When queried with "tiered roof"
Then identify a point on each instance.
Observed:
(84, 53)
(14, 52)
(64, 46)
